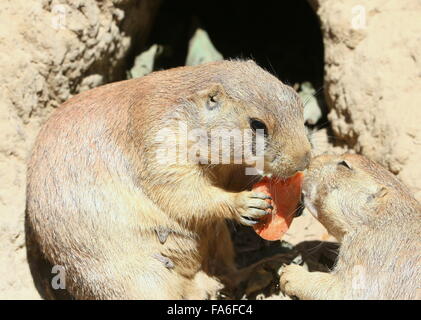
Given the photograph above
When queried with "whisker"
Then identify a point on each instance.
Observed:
(314, 95)
(318, 91)
(273, 71)
(301, 206)
(315, 248)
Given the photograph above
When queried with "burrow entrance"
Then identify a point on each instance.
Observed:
(284, 37)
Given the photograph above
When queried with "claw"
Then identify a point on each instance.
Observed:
(256, 212)
(162, 234)
(165, 260)
(248, 222)
(261, 195)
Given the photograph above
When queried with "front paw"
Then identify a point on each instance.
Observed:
(292, 278)
(251, 206)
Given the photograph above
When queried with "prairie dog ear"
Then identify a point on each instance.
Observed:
(213, 95)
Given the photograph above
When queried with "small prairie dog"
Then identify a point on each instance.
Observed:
(377, 221)
(124, 224)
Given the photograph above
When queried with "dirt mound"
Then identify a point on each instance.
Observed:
(49, 51)
(373, 80)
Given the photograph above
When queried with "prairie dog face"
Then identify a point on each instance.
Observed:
(287, 148)
(274, 122)
(345, 191)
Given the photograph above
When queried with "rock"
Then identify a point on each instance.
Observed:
(201, 49)
(49, 51)
(144, 62)
(91, 81)
(373, 80)
(312, 111)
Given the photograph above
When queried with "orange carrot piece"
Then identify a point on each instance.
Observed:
(286, 197)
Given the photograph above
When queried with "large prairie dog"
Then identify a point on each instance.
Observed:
(378, 223)
(125, 225)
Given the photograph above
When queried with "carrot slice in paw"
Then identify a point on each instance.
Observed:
(286, 198)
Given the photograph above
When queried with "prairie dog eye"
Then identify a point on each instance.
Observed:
(212, 102)
(344, 164)
(258, 125)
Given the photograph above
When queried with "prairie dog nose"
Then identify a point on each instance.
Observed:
(302, 160)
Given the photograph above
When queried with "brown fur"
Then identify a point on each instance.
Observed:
(125, 226)
(378, 223)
